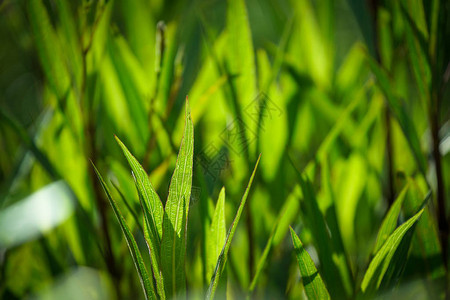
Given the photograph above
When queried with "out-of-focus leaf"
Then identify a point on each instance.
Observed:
(380, 263)
(153, 214)
(417, 50)
(146, 281)
(217, 234)
(312, 281)
(221, 262)
(241, 64)
(340, 255)
(263, 259)
(173, 243)
(390, 221)
(278, 61)
(385, 37)
(351, 68)
(290, 211)
(362, 15)
(49, 48)
(167, 69)
(140, 28)
(134, 83)
(400, 113)
(116, 116)
(350, 190)
(70, 42)
(309, 39)
(80, 283)
(36, 214)
(241, 53)
(29, 143)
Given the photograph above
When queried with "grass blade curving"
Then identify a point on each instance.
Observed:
(221, 262)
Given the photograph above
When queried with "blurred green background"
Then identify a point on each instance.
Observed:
(352, 94)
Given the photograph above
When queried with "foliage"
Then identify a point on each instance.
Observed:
(325, 119)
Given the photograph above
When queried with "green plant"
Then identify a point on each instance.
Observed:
(165, 228)
(352, 93)
(386, 264)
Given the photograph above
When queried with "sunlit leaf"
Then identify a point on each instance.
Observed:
(216, 235)
(222, 260)
(312, 281)
(173, 243)
(390, 221)
(379, 264)
(153, 214)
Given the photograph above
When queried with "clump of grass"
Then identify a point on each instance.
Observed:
(165, 227)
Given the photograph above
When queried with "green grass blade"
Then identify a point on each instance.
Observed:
(217, 234)
(153, 212)
(323, 242)
(312, 281)
(173, 244)
(153, 247)
(379, 264)
(146, 281)
(390, 221)
(425, 245)
(153, 206)
(221, 262)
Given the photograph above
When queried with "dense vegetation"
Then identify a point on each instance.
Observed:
(311, 157)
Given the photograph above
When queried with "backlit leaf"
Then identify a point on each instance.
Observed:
(312, 281)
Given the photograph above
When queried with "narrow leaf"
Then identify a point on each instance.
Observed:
(153, 211)
(217, 234)
(221, 262)
(151, 199)
(390, 221)
(425, 244)
(379, 264)
(323, 241)
(146, 281)
(312, 281)
(173, 244)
